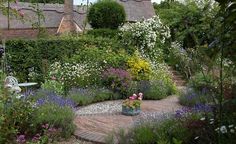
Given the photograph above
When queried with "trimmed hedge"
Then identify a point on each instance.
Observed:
(39, 54)
(106, 14)
(107, 33)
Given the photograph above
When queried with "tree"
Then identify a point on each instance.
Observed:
(106, 14)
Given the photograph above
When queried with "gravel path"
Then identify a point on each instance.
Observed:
(100, 108)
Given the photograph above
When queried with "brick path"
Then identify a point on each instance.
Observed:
(96, 127)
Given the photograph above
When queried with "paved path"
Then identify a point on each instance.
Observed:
(95, 127)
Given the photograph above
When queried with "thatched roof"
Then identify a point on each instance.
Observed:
(136, 10)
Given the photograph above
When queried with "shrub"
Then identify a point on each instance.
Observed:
(59, 117)
(161, 73)
(23, 55)
(145, 35)
(85, 96)
(106, 14)
(179, 58)
(156, 90)
(152, 132)
(117, 80)
(192, 97)
(200, 81)
(139, 68)
(16, 116)
(108, 33)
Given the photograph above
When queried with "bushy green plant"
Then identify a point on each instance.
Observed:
(85, 96)
(202, 80)
(59, 117)
(166, 131)
(160, 72)
(16, 117)
(191, 97)
(53, 85)
(106, 14)
(156, 90)
(108, 33)
(22, 55)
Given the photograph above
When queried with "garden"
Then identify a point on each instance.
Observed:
(130, 68)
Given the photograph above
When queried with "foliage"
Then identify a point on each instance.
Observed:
(160, 72)
(117, 80)
(139, 68)
(180, 59)
(200, 81)
(85, 96)
(59, 117)
(107, 33)
(190, 22)
(192, 97)
(53, 85)
(16, 115)
(23, 55)
(145, 35)
(162, 132)
(106, 14)
(227, 29)
(133, 101)
(103, 58)
(70, 74)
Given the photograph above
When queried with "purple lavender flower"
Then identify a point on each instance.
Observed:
(36, 138)
(53, 98)
(21, 139)
(202, 108)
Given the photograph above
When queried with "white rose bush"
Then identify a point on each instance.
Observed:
(145, 35)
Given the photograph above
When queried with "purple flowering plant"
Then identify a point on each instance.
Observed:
(117, 79)
(53, 98)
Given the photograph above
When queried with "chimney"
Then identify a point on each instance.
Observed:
(67, 23)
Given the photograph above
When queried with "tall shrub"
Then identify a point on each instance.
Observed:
(106, 14)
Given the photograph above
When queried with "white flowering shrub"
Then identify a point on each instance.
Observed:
(145, 35)
(68, 75)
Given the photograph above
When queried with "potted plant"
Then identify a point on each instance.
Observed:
(131, 106)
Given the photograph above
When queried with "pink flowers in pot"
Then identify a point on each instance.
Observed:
(133, 101)
(135, 97)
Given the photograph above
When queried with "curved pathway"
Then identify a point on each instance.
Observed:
(96, 121)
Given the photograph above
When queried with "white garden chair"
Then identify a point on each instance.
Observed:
(12, 83)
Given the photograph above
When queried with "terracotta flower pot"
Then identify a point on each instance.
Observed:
(129, 111)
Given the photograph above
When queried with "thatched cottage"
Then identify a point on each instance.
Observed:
(59, 18)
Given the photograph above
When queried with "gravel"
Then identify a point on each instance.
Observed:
(100, 108)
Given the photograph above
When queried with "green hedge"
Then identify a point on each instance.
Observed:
(107, 33)
(25, 54)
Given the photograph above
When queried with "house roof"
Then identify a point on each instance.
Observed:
(136, 10)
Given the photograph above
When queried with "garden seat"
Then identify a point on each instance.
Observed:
(12, 83)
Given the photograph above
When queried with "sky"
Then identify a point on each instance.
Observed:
(78, 2)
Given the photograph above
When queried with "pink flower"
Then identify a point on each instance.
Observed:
(132, 98)
(134, 95)
(21, 13)
(45, 126)
(53, 78)
(139, 98)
